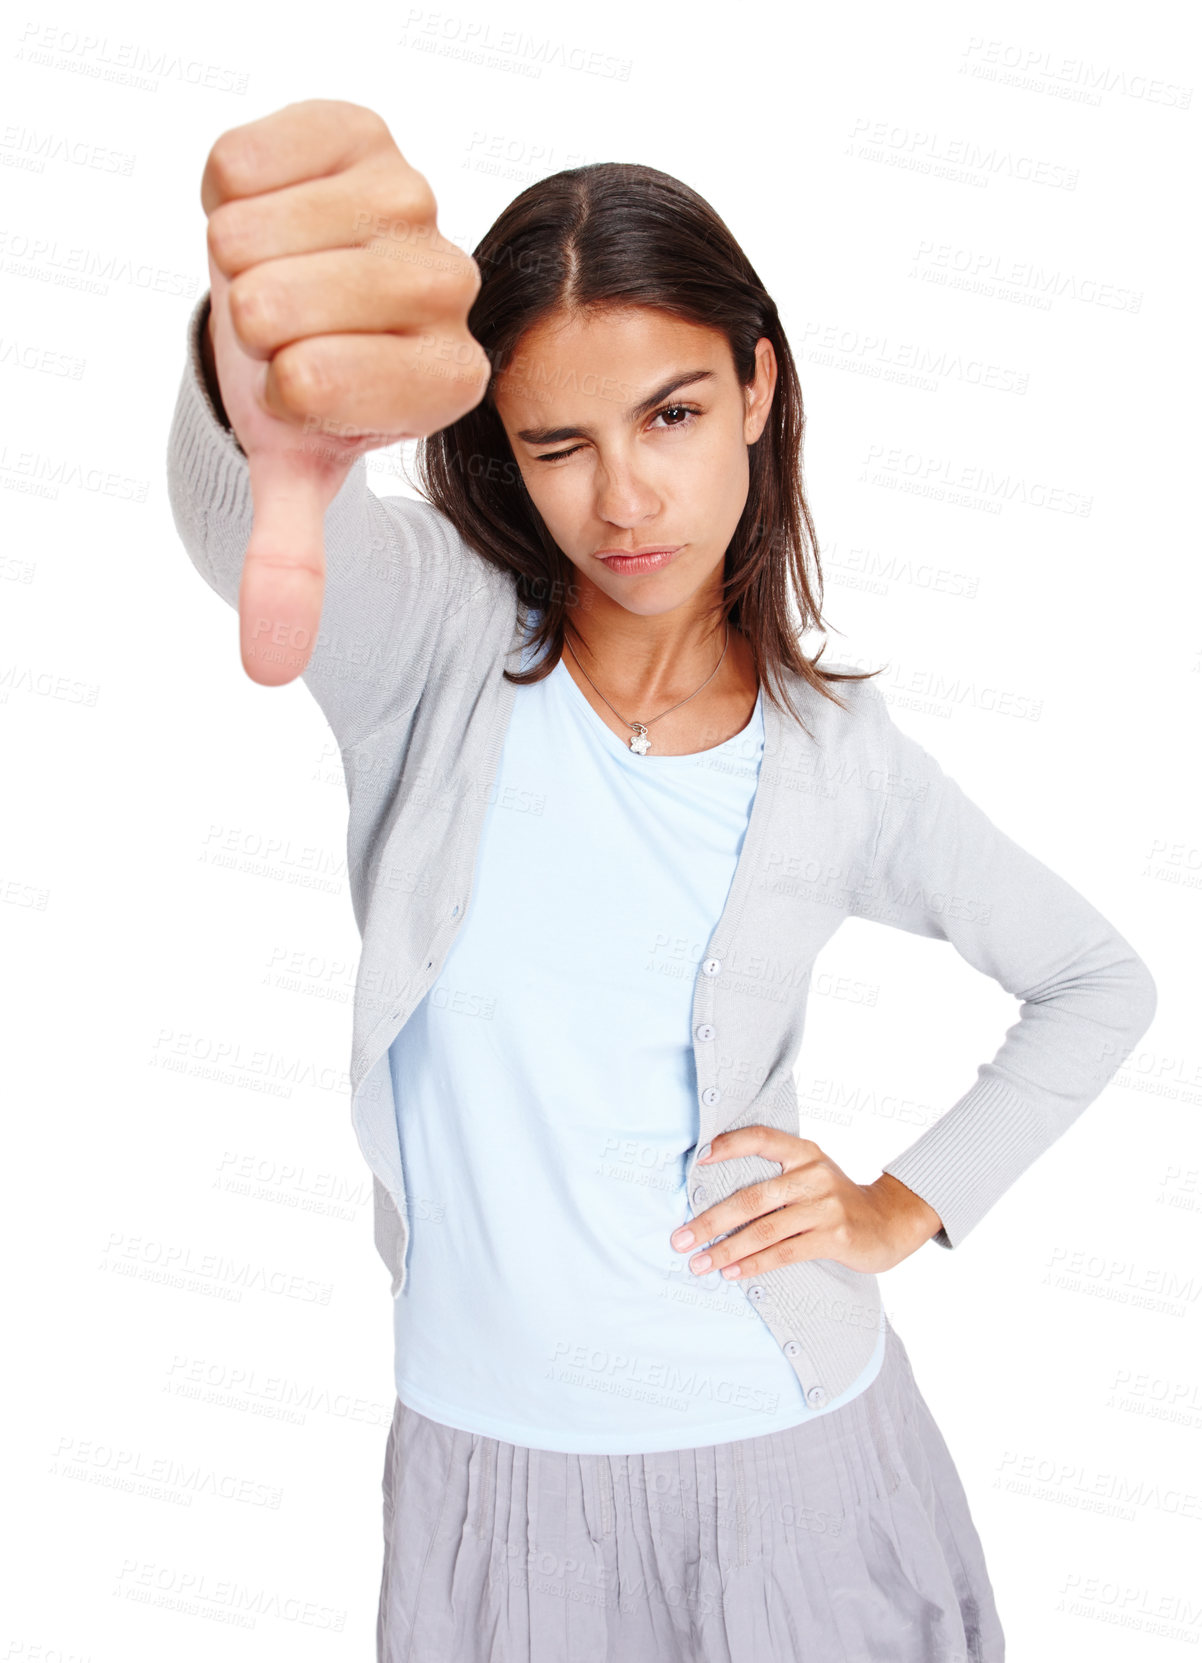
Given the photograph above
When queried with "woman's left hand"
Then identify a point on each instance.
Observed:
(812, 1211)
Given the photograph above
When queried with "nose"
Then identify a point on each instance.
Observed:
(623, 496)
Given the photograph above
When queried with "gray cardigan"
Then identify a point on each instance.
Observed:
(856, 821)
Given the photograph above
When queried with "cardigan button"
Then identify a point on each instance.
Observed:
(706, 1031)
(699, 1194)
(792, 1349)
(710, 1096)
(756, 1291)
(711, 967)
(816, 1396)
(455, 910)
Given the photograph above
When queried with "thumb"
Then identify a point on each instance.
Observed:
(283, 574)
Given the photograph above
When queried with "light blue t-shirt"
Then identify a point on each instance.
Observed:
(547, 1103)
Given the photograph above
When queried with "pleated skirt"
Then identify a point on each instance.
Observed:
(843, 1540)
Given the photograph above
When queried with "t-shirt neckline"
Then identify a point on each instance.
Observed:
(623, 747)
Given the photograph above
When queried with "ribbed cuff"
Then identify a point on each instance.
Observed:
(207, 458)
(969, 1158)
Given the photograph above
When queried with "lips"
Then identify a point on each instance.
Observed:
(640, 560)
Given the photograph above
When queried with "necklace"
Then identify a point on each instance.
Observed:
(639, 742)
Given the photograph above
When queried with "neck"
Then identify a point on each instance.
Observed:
(650, 661)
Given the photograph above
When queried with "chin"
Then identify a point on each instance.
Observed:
(653, 605)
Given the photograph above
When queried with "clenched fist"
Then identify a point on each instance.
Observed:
(338, 325)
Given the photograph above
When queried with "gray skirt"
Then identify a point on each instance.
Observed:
(847, 1539)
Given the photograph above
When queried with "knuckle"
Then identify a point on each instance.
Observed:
(231, 164)
(469, 279)
(402, 202)
(471, 371)
(368, 121)
(418, 197)
(226, 237)
(479, 360)
(254, 308)
(301, 379)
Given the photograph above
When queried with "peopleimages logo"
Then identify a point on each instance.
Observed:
(474, 39)
(1010, 63)
(127, 62)
(87, 268)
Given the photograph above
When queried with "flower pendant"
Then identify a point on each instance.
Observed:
(640, 743)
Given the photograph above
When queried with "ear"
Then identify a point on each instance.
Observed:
(759, 390)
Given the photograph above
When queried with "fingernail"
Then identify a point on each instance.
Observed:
(683, 1239)
(701, 1263)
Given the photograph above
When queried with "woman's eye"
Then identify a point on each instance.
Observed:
(688, 411)
(676, 409)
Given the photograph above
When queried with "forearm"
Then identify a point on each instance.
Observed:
(943, 869)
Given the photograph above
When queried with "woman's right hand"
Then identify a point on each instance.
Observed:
(338, 325)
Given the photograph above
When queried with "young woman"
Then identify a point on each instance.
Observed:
(604, 813)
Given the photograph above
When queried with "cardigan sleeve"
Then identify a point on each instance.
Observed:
(395, 566)
(940, 867)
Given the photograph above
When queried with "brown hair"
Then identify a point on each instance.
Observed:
(618, 233)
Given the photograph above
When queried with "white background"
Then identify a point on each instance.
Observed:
(978, 224)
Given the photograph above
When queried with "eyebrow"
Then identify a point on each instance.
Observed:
(555, 435)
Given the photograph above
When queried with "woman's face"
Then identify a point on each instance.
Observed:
(631, 432)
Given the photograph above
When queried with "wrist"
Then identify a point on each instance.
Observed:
(910, 1221)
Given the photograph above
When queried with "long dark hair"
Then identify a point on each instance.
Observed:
(624, 234)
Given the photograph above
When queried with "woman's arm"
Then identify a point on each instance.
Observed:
(331, 299)
(395, 567)
(942, 868)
